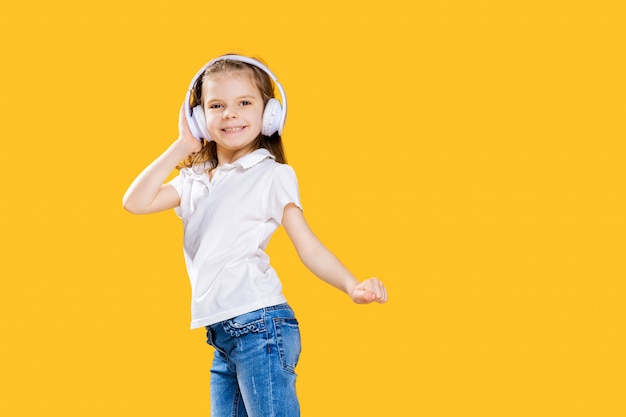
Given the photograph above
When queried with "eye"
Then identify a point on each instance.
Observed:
(245, 103)
(215, 106)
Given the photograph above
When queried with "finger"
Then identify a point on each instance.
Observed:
(379, 289)
(363, 296)
(374, 284)
(384, 296)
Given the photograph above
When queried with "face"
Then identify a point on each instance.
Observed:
(233, 108)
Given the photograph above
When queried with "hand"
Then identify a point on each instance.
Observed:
(185, 135)
(368, 291)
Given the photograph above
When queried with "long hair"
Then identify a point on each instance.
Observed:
(208, 153)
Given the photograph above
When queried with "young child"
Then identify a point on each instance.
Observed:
(233, 191)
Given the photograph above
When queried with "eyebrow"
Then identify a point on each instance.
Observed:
(236, 98)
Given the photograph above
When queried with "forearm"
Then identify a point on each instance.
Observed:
(143, 191)
(326, 266)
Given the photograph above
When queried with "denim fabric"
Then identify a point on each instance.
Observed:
(253, 372)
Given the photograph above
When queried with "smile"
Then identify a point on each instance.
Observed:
(234, 129)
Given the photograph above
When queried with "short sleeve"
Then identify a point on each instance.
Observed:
(283, 190)
(177, 183)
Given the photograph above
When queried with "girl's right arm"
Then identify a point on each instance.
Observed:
(148, 193)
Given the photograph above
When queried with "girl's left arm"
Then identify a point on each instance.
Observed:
(324, 264)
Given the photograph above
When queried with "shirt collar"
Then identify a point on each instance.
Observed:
(253, 158)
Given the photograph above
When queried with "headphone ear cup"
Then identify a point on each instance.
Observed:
(271, 117)
(197, 125)
(193, 126)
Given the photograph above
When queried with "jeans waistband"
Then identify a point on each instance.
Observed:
(283, 306)
(278, 307)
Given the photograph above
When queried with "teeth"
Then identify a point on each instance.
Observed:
(233, 129)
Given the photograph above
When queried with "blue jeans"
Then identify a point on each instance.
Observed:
(253, 372)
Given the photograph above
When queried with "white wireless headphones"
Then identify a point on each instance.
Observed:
(273, 116)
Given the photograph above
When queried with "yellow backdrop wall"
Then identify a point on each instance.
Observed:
(469, 154)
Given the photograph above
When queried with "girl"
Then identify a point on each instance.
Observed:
(233, 191)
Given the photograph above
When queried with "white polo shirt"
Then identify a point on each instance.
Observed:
(228, 222)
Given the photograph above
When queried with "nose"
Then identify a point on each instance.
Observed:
(229, 113)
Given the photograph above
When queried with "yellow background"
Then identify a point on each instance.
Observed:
(468, 153)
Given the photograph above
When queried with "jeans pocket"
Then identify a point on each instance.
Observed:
(288, 342)
(236, 327)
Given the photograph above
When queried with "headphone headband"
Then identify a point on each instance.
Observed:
(189, 113)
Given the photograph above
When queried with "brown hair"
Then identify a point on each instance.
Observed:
(264, 83)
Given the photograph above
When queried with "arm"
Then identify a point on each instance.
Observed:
(324, 264)
(148, 193)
